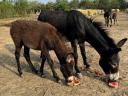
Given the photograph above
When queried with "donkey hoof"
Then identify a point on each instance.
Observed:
(35, 71)
(42, 75)
(87, 66)
(58, 80)
(20, 74)
(79, 75)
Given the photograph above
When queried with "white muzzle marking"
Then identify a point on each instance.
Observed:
(114, 76)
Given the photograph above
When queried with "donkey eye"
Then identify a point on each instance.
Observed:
(114, 65)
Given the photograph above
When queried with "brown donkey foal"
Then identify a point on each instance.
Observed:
(41, 36)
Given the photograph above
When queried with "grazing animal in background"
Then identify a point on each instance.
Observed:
(114, 17)
(41, 36)
(108, 17)
(78, 28)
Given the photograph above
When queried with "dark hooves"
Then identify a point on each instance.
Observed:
(20, 74)
(42, 75)
(57, 79)
(79, 75)
(87, 66)
(35, 71)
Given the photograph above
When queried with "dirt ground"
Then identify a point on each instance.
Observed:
(33, 85)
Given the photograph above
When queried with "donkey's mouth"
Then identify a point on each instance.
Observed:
(73, 81)
(113, 76)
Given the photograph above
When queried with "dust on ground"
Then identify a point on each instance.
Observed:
(33, 85)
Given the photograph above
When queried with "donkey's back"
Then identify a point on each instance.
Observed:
(32, 33)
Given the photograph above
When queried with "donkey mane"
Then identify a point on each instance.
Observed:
(104, 32)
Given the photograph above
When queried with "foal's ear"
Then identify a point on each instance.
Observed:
(121, 42)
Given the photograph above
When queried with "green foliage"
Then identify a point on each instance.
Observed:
(88, 4)
(61, 5)
(74, 4)
(11, 8)
(50, 6)
(6, 9)
(21, 7)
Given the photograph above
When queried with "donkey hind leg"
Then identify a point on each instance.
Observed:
(82, 49)
(27, 57)
(51, 64)
(74, 46)
(42, 65)
(107, 21)
(17, 56)
(110, 21)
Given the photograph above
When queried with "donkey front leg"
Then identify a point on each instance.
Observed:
(83, 53)
(74, 46)
(42, 65)
(51, 64)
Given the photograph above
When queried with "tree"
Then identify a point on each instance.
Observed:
(35, 6)
(104, 4)
(123, 4)
(61, 5)
(86, 4)
(50, 6)
(74, 4)
(21, 7)
(115, 4)
(6, 9)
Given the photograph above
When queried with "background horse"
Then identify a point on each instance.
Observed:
(41, 36)
(114, 17)
(78, 28)
(108, 17)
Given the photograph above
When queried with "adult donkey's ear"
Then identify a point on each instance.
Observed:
(121, 42)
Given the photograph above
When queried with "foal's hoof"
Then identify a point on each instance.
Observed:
(58, 80)
(20, 74)
(79, 75)
(87, 66)
(35, 71)
(42, 75)
(83, 68)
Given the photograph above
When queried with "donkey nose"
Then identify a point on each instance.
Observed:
(114, 76)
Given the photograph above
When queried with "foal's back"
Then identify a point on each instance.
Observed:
(32, 33)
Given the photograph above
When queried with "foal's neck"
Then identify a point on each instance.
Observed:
(61, 51)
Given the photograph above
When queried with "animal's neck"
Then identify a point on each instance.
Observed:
(99, 43)
(61, 52)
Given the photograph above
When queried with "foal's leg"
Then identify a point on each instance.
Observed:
(51, 64)
(82, 49)
(17, 56)
(42, 64)
(27, 57)
(74, 46)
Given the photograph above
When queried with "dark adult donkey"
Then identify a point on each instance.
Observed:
(108, 17)
(41, 36)
(78, 28)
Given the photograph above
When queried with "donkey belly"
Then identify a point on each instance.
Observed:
(32, 43)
